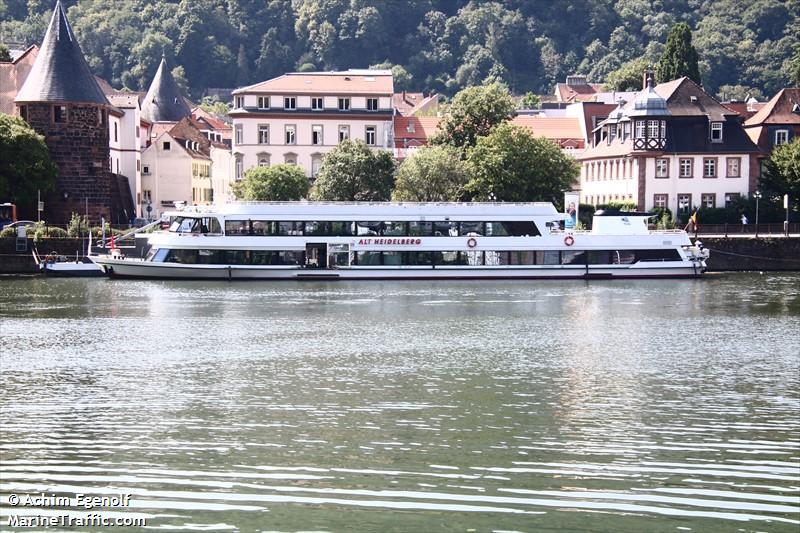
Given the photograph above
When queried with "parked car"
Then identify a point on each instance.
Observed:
(20, 223)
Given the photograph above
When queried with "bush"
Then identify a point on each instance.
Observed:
(585, 214)
(8, 232)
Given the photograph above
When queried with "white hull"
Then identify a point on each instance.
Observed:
(132, 268)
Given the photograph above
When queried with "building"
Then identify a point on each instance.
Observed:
(576, 89)
(408, 104)
(176, 167)
(62, 101)
(125, 146)
(777, 122)
(299, 117)
(410, 133)
(13, 75)
(564, 131)
(673, 146)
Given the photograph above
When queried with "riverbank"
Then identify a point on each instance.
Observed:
(727, 254)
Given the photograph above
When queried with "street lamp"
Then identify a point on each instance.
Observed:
(757, 196)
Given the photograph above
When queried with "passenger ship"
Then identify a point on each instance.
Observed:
(330, 241)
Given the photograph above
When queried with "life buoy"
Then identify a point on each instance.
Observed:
(569, 240)
(471, 242)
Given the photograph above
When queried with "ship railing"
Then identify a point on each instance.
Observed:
(412, 204)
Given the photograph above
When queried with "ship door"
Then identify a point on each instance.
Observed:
(316, 255)
(338, 255)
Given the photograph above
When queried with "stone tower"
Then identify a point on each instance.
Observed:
(61, 100)
(164, 102)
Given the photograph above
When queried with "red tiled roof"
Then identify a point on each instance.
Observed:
(778, 110)
(423, 128)
(551, 127)
(577, 93)
(347, 82)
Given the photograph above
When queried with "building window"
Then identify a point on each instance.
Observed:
(344, 104)
(659, 200)
(781, 136)
(263, 134)
(290, 102)
(116, 135)
(686, 168)
(372, 104)
(662, 168)
(709, 167)
(316, 134)
(663, 129)
(708, 200)
(263, 102)
(136, 131)
(166, 145)
(684, 203)
(147, 196)
(263, 160)
(316, 103)
(652, 129)
(734, 167)
(369, 136)
(716, 132)
(291, 134)
(59, 113)
(640, 125)
(23, 112)
(290, 159)
(238, 102)
(344, 133)
(316, 164)
(731, 198)
(626, 131)
(138, 165)
(146, 170)
(239, 171)
(239, 134)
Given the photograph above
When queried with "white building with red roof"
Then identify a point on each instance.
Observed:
(299, 117)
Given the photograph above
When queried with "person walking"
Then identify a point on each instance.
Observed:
(744, 219)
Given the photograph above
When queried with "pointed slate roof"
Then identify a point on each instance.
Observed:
(164, 102)
(60, 73)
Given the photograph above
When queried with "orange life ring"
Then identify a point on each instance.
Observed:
(569, 240)
(471, 242)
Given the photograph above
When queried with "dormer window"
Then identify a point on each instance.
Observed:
(238, 102)
(290, 102)
(344, 104)
(316, 103)
(640, 125)
(716, 132)
(263, 102)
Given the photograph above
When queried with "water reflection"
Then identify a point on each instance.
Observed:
(409, 406)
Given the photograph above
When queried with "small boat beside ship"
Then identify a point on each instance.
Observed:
(381, 240)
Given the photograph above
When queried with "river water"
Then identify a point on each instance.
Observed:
(406, 407)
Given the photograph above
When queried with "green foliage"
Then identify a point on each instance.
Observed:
(77, 225)
(4, 54)
(628, 77)
(619, 205)
(530, 100)
(432, 45)
(431, 174)
(472, 114)
(511, 165)
(354, 172)
(585, 214)
(680, 57)
(663, 218)
(794, 67)
(273, 184)
(25, 166)
(212, 104)
(782, 172)
(740, 93)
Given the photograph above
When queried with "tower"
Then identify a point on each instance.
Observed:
(164, 101)
(62, 101)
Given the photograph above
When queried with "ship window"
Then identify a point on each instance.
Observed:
(237, 227)
(393, 229)
(368, 228)
(188, 257)
(667, 254)
(573, 257)
(549, 257)
(185, 225)
(290, 228)
(496, 258)
(445, 229)
(158, 256)
(420, 229)
(341, 229)
(472, 228)
(418, 258)
(522, 258)
(368, 258)
(316, 228)
(450, 258)
(599, 257)
(392, 258)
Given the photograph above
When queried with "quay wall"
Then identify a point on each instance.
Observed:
(726, 253)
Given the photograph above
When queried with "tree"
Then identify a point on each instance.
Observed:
(473, 113)
(511, 165)
(353, 172)
(782, 172)
(680, 57)
(4, 53)
(628, 77)
(431, 174)
(25, 165)
(530, 100)
(272, 184)
(794, 67)
(213, 105)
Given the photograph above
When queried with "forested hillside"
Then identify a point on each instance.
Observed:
(745, 46)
